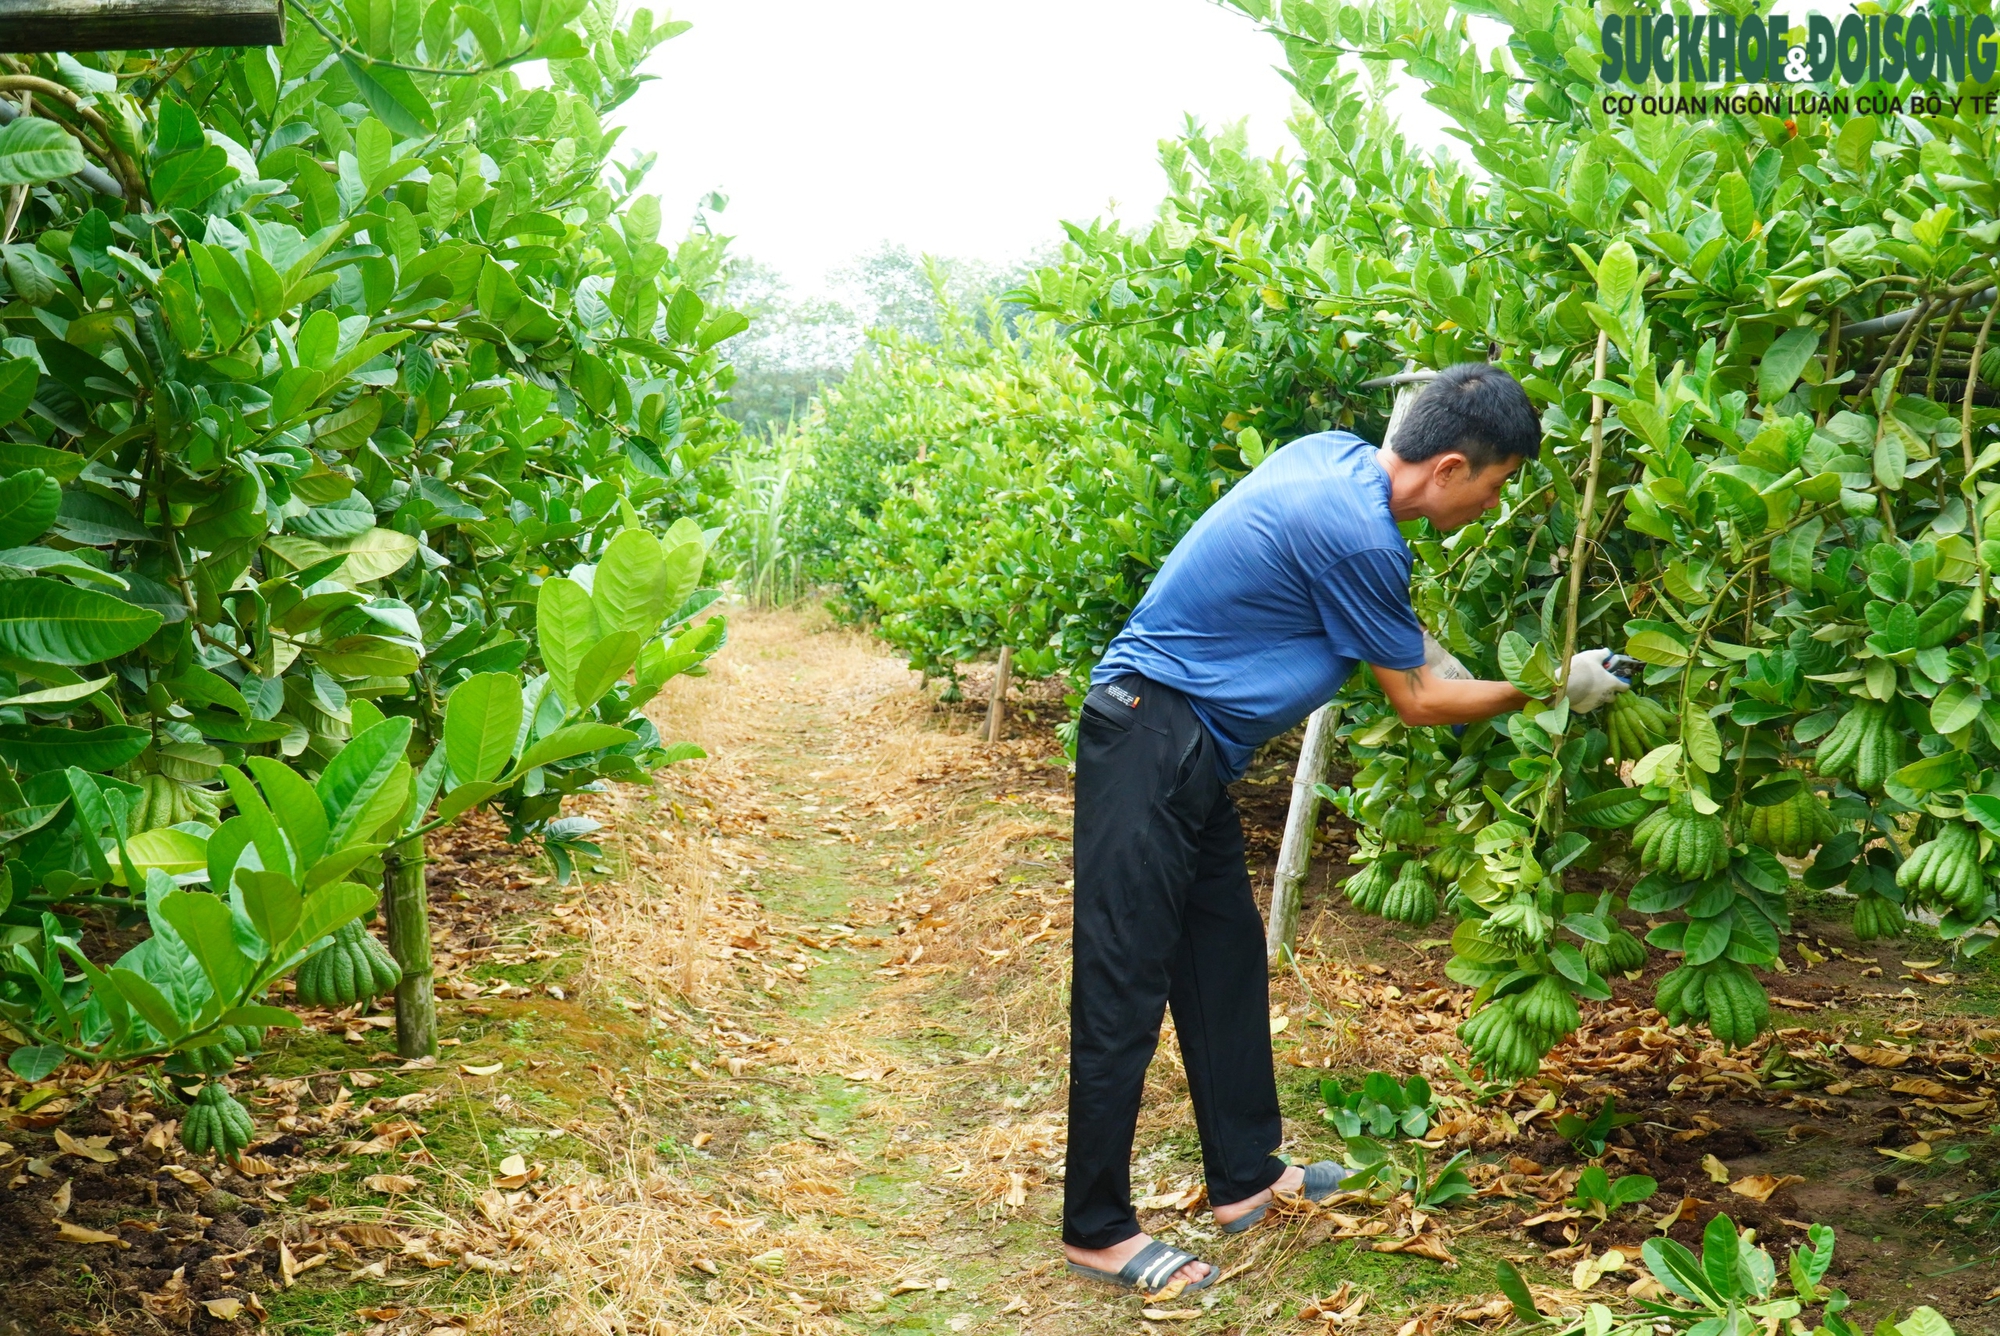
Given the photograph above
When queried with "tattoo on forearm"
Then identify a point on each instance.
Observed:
(1415, 678)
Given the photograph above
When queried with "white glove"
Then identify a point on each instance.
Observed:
(1591, 684)
(1442, 663)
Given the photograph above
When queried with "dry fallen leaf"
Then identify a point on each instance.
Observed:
(1923, 1088)
(71, 1233)
(1423, 1245)
(1169, 1314)
(1717, 1171)
(59, 1204)
(224, 1309)
(390, 1183)
(90, 1148)
(487, 1069)
(1759, 1187)
(181, 1173)
(1684, 1211)
(1876, 1057)
(371, 1236)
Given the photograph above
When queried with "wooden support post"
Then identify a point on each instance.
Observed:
(1295, 854)
(406, 908)
(137, 25)
(996, 707)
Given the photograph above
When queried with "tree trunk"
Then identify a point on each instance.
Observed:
(406, 908)
(996, 708)
(1295, 854)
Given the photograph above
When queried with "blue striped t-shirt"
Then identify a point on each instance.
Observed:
(1262, 611)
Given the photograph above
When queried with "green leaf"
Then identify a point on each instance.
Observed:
(1657, 647)
(466, 797)
(374, 555)
(47, 621)
(1933, 772)
(1676, 1268)
(1718, 1257)
(18, 378)
(144, 997)
(273, 902)
(326, 909)
(1891, 458)
(1738, 208)
(1955, 707)
(1783, 362)
(34, 150)
(352, 784)
(1526, 664)
(628, 592)
(1702, 741)
(296, 805)
(202, 922)
(1851, 148)
(482, 721)
(395, 99)
(174, 852)
(258, 822)
(1792, 554)
(572, 740)
(601, 667)
(56, 695)
(565, 626)
(33, 748)
(29, 503)
(261, 1018)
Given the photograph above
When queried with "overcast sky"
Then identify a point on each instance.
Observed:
(959, 127)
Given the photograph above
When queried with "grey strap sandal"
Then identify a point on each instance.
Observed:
(1149, 1270)
(1323, 1179)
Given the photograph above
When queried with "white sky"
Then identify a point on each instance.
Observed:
(967, 128)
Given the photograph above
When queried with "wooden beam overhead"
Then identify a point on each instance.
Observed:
(138, 25)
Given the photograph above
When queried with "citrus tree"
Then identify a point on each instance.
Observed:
(346, 391)
(1761, 350)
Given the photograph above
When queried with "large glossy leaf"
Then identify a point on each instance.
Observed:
(601, 666)
(29, 501)
(202, 923)
(33, 150)
(482, 719)
(33, 748)
(629, 590)
(178, 853)
(352, 783)
(573, 740)
(46, 621)
(296, 805)
(565, 626)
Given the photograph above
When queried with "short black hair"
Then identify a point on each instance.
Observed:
(1474, 408)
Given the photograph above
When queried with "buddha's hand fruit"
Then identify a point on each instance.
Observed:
(1864, 747)
(216, 1122)
(1635, 725)
(1621, 955)
(1369, 887)
(353, 969)
(1793, 827)
(1945, 872)
(1681, 842)
(1877, 916)
(1504, 1047)
(1403, 825)
(1411, 898)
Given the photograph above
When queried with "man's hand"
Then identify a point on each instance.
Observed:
(1590, 683)
(1443, 663)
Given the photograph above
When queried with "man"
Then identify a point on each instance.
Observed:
(1255, 620)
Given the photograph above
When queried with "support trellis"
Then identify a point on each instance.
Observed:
(136, 25)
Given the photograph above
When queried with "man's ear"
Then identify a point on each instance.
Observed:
(1450, 467)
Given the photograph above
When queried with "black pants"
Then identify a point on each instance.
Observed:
(1164, 917)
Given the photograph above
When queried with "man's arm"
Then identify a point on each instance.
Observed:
(1420, 696)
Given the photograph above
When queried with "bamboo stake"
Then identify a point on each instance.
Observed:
(1971, 486)
(996, 706)
(1580, 544)
(1295, 854)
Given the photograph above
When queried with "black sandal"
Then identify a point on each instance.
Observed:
(1149, 1271)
